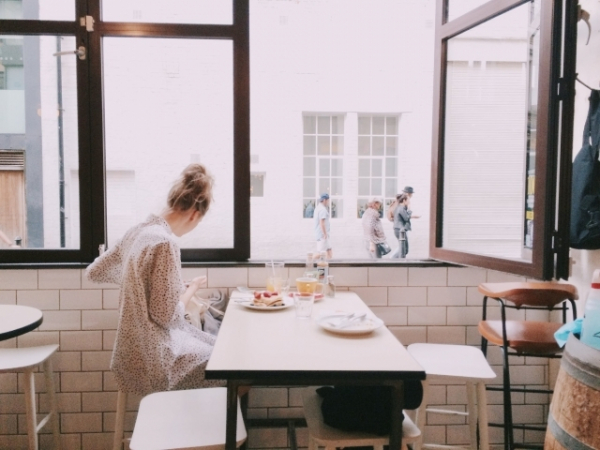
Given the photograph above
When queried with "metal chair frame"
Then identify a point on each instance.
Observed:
(506, 389)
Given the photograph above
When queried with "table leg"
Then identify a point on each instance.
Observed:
(397, 415)
(231, 426)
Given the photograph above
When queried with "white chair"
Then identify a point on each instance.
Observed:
(26, 360)
(191, 419)
(322, 435)
(455, 363)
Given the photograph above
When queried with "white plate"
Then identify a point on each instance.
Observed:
(287, 302)
(367, 325)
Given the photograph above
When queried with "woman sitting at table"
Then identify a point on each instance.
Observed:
(156, 349)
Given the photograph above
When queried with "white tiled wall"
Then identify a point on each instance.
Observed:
(418, 304)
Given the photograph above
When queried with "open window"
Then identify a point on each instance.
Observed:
(501, 91)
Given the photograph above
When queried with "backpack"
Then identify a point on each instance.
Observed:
(585, 190)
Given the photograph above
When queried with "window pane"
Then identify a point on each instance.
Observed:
(376, 186)
(310, 125)
(324, 145)
(378, 125)
(337, 167)
(377, 168)
(324, 125)
(308, 208)
(337, 145)
(364, 145)
(364, 186)
(257, 185)
(310, 145)
(391, 126)
(391, 187)
(39, 145)
(364, 167)
(309, 188)
(364, 125)
(391, 167)
(337, 125)
(324, 167)
(361, 206)
(310, 167)
(337, 209)
(391, 145)
(38, 10)
(176, 11)
(336, 186)
(324, 186)
(378, 145)
(457, 8)
(489, 131)
(184, 112)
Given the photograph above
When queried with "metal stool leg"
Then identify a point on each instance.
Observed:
(30, 408)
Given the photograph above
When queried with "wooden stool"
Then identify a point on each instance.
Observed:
(192, 419)
(452, 363)
(523, 337)
(119, 434)
(323, 435)
(26, 360)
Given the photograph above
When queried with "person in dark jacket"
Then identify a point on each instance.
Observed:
(402, 224)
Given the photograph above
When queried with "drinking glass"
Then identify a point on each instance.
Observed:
(304, 303)
(306, 285)
(275, 275)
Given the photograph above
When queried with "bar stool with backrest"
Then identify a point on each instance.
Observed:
(27, 359)
(523, 337)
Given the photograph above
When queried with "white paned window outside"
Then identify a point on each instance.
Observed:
(323, 151)
(377, 160)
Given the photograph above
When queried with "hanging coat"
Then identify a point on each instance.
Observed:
(585, 191)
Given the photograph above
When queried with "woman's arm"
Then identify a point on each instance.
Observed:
(107, 268)
(191, 289)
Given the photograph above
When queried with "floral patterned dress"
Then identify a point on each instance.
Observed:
(156, 349)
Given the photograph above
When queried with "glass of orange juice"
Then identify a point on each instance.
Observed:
(275, 276)
(306, 285)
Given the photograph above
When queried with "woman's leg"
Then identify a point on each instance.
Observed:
(403, 244)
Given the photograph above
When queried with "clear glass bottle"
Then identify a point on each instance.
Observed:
(322, 268)
(310, 265)
(330, 292)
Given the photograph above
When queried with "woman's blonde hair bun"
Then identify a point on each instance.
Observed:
(192, 190)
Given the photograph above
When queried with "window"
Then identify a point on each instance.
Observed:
(257, 184)
(323, 163)
(496, 142)
(377, 160)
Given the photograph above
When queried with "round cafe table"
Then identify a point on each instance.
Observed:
(16, 320)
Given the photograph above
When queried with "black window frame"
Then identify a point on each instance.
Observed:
(556, 81)
(92, 168)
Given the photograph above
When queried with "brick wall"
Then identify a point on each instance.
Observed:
(435, 304)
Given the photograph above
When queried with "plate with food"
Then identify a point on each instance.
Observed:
(266, 301)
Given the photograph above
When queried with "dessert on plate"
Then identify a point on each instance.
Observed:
(267, 299)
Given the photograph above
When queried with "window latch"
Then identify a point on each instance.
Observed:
(87, 22)
(81, 53)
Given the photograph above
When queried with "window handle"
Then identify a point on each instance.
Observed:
(87, 22)
(81, 52)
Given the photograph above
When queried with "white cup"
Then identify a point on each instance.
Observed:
(304, 303)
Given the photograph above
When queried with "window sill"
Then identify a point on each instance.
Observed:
(251, 263)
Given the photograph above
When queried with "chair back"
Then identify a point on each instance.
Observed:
(530, 294)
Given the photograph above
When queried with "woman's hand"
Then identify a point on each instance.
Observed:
(197, 283)
(372, 247)
(191, 288)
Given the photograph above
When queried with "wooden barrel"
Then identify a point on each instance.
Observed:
(574, 419)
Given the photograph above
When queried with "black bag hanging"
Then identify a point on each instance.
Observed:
(585, 192)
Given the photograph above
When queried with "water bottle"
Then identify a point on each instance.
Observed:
(590, 333)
